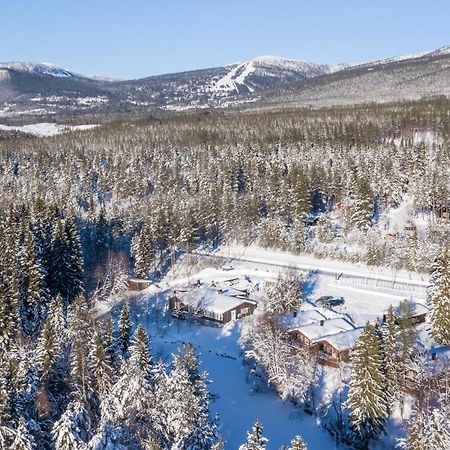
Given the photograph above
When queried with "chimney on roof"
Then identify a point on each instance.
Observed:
(322, 322)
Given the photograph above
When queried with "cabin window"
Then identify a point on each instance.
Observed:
(245, 311)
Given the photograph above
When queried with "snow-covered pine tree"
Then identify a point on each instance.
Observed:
(361, 203)
(125, 327)
(206, 432)
(75, 260)
(35, 295)
(47, 351)
(58, 321)
(72, 429)
(390, 358)
(183, 406)
(59, 273)
(298, 444)
(108, 437)
(99, 365)
(429, 430)
(140, 356)
(143, 252)
(439, 298)
(406, 332)
(131, 397)
(80, 376)
(23, 439)
(255, 439)
(110, 341)
(366, 397)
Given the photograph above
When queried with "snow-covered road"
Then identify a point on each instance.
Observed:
(368, 291)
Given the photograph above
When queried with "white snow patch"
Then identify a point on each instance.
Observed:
(235, 77)
(47, 129)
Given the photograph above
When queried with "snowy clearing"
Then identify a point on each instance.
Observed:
(47, 129)
(237, 405)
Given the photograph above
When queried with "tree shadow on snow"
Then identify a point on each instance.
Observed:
(309, 284)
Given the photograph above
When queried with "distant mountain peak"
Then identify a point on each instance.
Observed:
(39, 68)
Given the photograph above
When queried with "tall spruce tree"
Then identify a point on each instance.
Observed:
(366, 397)
(255, 439)
(406, 332)
(143, 252)
(439, 299)
(125, 327)
(75, 260)
(390, 357)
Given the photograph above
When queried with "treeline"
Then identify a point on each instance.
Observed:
(89, 384)
(199, 179)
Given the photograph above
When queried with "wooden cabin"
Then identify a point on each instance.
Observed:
(307, 336)
(210, 304)
(334, 349)
(138, 284)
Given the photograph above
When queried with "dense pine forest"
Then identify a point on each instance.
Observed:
(82, 211)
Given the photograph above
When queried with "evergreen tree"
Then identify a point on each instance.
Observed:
(110, 340)
(23, 439)
(59, 273)
(99, 366)
(366, 397)
(140, 356)
(47, 351)
(298, 444)
(255, 439)
(71, 431)
(407, 333)
(34, 292)
(143, 253)
(362, 206)
(125, 327)
(58, 321)
(75, 260)
(439, 299)
(390, 358)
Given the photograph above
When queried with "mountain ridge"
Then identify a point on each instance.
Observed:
(46, 89)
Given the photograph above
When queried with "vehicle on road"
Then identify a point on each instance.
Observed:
(329, 300)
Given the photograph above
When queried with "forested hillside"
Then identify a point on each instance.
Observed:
(83, 210)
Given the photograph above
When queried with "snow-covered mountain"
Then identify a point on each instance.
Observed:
(45, 89)
(38, 68)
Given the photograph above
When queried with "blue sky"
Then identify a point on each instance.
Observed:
(135, 38)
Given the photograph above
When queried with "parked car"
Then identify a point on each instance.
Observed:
(329, 300)
(227, 268)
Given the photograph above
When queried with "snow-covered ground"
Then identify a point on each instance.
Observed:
(368, 291)
(237, 404)
(46, 129)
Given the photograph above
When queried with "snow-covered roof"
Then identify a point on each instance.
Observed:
(343, 340)
(419, 309)
(308, 314)
(209, 299)
(318, 330)
(302, 318)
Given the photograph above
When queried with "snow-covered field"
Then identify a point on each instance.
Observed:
(237, 405)
(46, 129)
